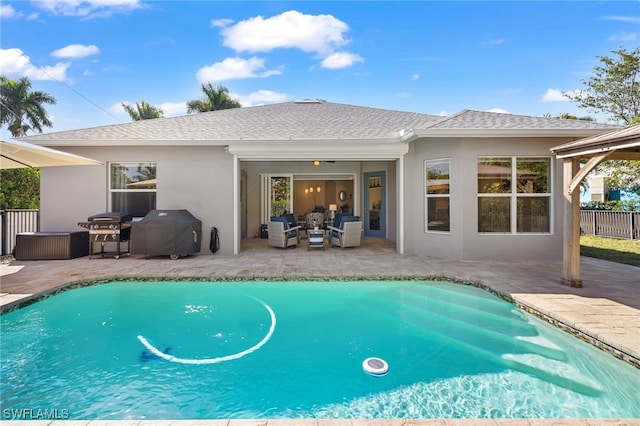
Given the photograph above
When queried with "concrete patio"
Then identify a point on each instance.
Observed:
(605, 312)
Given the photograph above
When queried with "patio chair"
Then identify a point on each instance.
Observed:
(348, 233)
(281, 235)
(291, 219)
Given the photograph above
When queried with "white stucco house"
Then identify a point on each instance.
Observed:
(473, 185)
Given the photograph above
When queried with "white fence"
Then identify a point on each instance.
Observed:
(14, 222)
(614, 224)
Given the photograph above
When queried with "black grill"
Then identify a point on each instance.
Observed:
(109, 234)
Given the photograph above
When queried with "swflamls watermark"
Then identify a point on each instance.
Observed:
(35, 414)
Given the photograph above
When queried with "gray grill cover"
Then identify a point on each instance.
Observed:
(166, 232)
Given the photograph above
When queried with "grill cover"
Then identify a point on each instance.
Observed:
(166, 232)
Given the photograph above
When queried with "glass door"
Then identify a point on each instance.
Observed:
(374, 204)
(277, 196)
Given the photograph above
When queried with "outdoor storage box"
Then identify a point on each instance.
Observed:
(51, 245)
(172, 233)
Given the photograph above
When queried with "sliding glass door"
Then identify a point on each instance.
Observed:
(277, 197)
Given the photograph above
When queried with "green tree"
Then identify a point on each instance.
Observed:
(214, 99)
(22, 109)
(143, 111)
(614, 87)
(20, 188)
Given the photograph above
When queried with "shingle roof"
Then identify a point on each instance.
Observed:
(469, 119)
(309, 119)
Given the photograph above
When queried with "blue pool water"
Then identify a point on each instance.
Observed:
(192, 350)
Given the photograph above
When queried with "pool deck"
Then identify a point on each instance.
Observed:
(605, 311)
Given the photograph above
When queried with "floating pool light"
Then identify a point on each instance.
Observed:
(375, 366)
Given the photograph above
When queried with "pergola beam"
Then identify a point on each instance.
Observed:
(585, 170)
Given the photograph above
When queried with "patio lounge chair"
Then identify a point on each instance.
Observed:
(348, 233)
(281, 235)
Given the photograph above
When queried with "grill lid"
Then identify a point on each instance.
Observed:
(111, 216)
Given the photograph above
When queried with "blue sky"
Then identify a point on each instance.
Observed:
(421, 56)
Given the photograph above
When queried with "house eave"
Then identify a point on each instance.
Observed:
(324, 150)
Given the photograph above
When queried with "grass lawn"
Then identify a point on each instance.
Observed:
(621, 251)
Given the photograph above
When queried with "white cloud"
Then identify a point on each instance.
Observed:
(628, 19)
(415, 77)
(57, 72)
(75, 51)
(498, 110)
(7, 11)
(554, 95)
(15, 63)
(234, 68)
(171, 109)
(221, 22)
(623, 37)
(88, 8)
(321, 34)
(341, 60)
(260, 97)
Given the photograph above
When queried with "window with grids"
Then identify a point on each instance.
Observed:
(514, 195)
(132, 188)
(437, 195)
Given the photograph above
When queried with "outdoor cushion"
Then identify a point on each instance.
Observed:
(291, 219)
(285, 221)
(337, 219)
(343, 219)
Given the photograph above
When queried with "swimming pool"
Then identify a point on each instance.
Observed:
(195, 350)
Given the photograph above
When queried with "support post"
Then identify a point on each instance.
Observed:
(571, 231)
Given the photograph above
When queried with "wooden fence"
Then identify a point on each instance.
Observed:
(607, 223)
(13, 222)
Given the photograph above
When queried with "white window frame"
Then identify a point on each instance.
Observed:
(118, 190)
(513, 195)
(428, 196)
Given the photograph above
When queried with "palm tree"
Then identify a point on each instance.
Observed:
(142, 111)
(214, 99)
(23, 109)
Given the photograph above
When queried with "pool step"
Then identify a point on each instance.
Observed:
(530, 354)
(498, 320)
(554, 371)
(472, 329)
(464, 295)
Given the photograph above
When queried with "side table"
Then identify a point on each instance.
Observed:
(316, 238)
